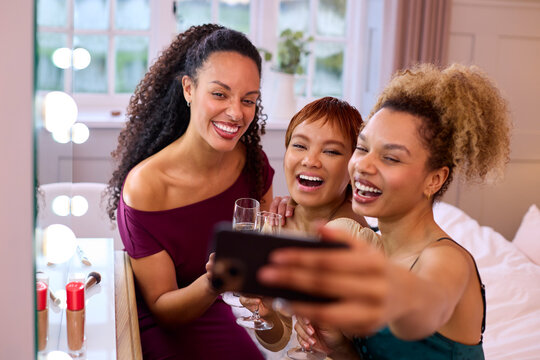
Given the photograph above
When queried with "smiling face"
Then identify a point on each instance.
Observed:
(388, 168)
(223, 99)
(315, 164)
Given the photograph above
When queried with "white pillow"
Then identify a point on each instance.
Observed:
(527, 238)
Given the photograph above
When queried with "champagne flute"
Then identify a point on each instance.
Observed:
(244, 219)
(301, 353)
(245, 214)
(269, 223)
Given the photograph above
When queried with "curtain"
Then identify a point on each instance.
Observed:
(415, 31)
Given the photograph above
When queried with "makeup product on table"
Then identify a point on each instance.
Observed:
(42, 306)
(75, 316)
(82, 256)
(55, 299)
(92, 279)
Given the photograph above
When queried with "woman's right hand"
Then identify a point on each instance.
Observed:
(283, 205)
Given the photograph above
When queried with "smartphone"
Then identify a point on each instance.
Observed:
(239, 255)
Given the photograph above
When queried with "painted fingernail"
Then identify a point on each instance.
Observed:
(282, 306)
(288, 213)
(311, 341)
(310, 330)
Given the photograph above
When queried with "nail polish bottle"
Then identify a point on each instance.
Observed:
(42, 307)
(75, 317)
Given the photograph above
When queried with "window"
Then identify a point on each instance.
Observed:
(96, 49)
(234, 14)
(123, 37)
(325, 21)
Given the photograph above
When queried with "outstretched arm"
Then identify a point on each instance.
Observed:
(372, 291)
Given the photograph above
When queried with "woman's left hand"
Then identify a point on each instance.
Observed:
(209, 270)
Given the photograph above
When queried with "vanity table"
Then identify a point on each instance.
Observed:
(111, 325)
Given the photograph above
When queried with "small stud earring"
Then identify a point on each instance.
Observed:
(188, 103)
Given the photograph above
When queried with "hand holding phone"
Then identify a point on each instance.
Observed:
(239, 256)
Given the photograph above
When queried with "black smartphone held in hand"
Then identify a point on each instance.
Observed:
(239, 255)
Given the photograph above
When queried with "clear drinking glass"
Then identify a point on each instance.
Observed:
(269, 223)
(244, 219)
(245, 214)
(300, 353)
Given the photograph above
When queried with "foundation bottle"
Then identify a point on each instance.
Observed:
(42, 307)
(75, 316)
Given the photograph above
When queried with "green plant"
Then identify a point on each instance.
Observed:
(292, 46)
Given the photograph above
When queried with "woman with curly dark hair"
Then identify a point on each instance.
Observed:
(190, 148)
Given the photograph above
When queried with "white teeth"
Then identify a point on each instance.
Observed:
(310, 178)
(362, 187)
(226, 128)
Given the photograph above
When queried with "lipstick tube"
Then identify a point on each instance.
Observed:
(42, 307)
(75, 317)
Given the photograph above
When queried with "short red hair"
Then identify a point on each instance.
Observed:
(338, 113)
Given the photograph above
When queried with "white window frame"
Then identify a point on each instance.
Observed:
(263, 33)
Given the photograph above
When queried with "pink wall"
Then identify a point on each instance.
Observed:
(16, 207)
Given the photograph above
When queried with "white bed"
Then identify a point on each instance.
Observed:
(511, 277)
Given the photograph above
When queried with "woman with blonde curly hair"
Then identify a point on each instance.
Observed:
(422, 297)
(190, 148)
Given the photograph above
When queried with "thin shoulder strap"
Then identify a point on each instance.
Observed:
(482, 286)
(418, 257)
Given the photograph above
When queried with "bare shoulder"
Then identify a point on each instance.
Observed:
(447, 255)
(144, 188)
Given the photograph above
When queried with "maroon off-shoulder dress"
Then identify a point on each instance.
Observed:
(185, 234)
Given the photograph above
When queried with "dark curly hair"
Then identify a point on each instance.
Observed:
(158, 113)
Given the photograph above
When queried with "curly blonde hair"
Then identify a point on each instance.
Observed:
(466, 124)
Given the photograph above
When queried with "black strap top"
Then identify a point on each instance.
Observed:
(482, 286)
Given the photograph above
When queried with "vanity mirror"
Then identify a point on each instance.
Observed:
(90, 54)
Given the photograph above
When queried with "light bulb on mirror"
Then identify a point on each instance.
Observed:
(61, 58)
(59, 243)
(61, 135)
(60, 205)
(81, 58)
(59, 111)
(79, 133)
(79, 205)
